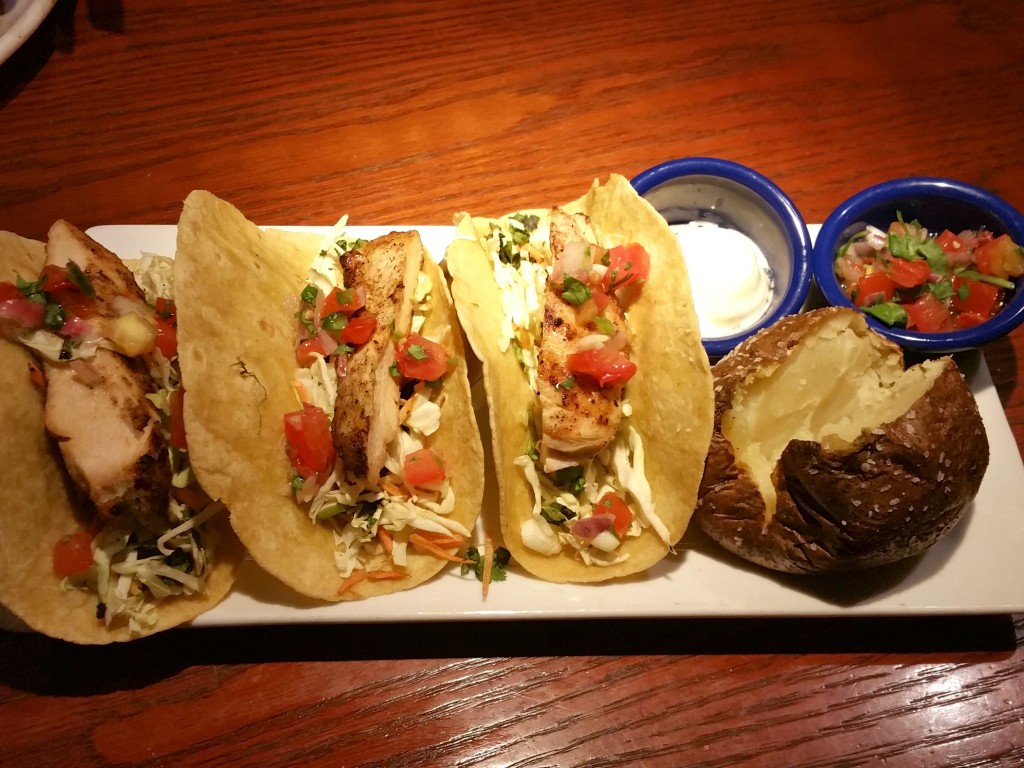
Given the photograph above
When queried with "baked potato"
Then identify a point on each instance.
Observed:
(828, 456)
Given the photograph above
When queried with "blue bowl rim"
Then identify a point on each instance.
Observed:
(888, 193)
(792, 221)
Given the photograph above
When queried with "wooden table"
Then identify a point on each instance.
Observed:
(404, 113)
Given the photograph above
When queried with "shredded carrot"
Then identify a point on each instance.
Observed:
(443, 540)
(393, 490)
(419, 542)
(488, 562)
(386, 539)
(386, 575)
(351, 581)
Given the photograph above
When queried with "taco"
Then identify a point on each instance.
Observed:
(600, 392)
(106, 536)
(329, 405)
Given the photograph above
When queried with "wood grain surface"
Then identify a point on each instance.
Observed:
(407, 112)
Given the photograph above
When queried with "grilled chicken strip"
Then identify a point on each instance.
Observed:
(577, 422)
(366, 410)
(109, 434)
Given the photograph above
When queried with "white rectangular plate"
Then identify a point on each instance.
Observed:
(977, 569)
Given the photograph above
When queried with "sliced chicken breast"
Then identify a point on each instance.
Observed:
(110, 277)
(580, 419)
(108, 433)
(366, 409)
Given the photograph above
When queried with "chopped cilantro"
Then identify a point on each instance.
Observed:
(532, 449)
(181, 560)
(970, 274)
(499, 563)
(528, 220)
(416, 352)
(328, 511)
(30, 290)
(569, 478)
(394, 372)
(344, 246)
(888, 312)
(336, 321)
(604, 325)
(308, 295)
(566, 383)
(67, 349)
(79, 278)
(943, 289)
(574, 291)
(556, 513)
(54, 317)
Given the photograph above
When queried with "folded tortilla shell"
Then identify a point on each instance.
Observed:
(671, 393)
(37, 507)
(237, 287)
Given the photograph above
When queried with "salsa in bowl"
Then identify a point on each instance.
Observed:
(934, 263)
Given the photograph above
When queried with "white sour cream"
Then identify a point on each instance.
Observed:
(730, 278)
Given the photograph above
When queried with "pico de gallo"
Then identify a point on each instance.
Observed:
(592, 506)
(907, 276)
(375, 526)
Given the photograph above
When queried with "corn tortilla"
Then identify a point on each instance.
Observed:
(236, 328)
(37, 507)
(671, 393)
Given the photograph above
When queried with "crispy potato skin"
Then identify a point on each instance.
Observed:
(896, 491)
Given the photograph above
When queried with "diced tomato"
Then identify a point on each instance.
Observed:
(612, 504)
(166, 338)
(967, 320)
(166, 309)
(874, 288)
(344, 300)
(951, 243)
(304, 355)
(10, 291)
(74, 303)
(308, 434)
(605, 366)
(72, 555)
(423, 469)
(627, 264)
(176, 404)
(927, 314)
(982, 298)
(359, 330)
(56, 279)
(1000, 257)
(420, 358)
(600, 298)
(908, 274)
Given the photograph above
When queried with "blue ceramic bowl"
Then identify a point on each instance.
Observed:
(937, 204)
(737, 197)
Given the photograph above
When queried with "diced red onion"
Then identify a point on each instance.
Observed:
(27, 314)
(588, 527)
